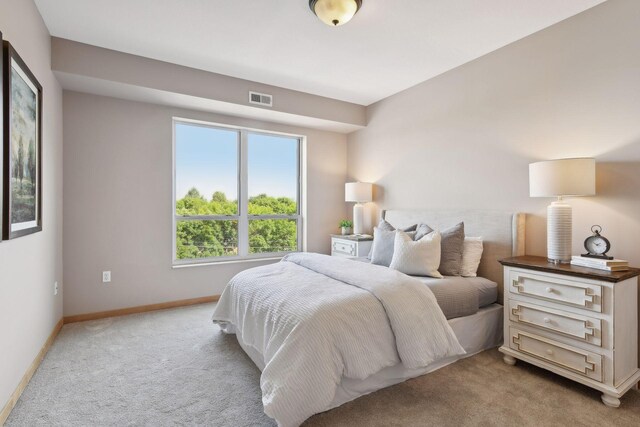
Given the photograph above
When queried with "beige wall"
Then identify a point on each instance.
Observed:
(91, 69)
(29, 265)
(465, 138)
(117, 206)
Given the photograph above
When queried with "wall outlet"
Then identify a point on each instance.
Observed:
(106, 276)
(55, 289)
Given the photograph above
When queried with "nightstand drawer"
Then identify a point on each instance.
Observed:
(576, 326)
(552, 288)
(343, 247)
(572, 359)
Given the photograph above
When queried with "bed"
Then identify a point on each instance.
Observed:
(325, 331)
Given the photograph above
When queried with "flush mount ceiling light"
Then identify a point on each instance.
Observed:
(335, 12)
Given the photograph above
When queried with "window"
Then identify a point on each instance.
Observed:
(236, 191)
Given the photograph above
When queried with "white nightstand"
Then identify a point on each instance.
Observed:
(578, 322)
(352, 246)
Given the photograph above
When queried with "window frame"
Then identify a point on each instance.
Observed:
(242, 217)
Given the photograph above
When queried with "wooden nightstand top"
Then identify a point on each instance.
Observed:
(354, 237)
(541, 264)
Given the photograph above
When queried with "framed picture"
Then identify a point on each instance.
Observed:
(2, 133)
(22, 147)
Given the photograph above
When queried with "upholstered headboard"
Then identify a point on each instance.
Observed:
(502, 233)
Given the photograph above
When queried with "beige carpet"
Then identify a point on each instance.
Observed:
(174, 367)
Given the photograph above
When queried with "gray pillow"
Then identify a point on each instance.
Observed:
(384, 225)
(383, 244)
(422, 230)
(452, 246)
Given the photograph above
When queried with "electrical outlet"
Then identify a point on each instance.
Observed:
(106, 276)
(55, 289)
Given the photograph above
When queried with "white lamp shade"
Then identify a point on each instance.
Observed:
(335, 12)
(565, 177)
(359, 192)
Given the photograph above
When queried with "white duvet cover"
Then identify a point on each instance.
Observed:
(316, 319)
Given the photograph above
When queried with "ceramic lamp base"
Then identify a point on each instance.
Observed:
(358, 218)
(559, 223)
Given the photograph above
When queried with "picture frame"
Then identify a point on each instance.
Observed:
(22, 147)
(1, 134)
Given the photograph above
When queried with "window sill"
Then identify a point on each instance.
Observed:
(225, 261)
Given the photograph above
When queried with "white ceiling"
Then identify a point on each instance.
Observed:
(390, 45)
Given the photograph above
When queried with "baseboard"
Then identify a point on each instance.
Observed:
(140, 309)
(4, 414)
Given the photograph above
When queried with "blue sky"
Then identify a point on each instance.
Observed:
(207, 159)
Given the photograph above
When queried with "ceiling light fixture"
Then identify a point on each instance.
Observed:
(335, 12)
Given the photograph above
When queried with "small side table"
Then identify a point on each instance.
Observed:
(578, 322)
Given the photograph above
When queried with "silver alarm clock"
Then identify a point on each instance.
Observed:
(597, 245)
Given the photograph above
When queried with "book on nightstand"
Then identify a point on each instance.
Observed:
(600, 264)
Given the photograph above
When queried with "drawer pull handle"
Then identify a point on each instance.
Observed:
(589, 330)
(549, 289)
(546, 320)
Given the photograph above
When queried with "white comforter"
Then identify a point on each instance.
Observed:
(316, 319)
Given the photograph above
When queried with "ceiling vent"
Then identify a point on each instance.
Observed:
(260, 99)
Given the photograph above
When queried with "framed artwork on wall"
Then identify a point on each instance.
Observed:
(1, 133)
(22, 147)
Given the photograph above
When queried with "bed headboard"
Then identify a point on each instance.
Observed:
(502, 233)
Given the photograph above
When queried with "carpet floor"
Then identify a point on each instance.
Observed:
(174, 367)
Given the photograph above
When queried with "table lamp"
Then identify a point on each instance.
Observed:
(359, 192)
(561, 178)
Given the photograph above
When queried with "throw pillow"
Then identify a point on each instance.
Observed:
(452, 247)
(422, 230)
(386, 226)
(382, 248)
(417, 258)
(471, 255)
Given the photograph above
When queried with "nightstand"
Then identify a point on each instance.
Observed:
(351, 246)
(578, 322)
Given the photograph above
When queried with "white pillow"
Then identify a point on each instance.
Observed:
(419, 258)
(471, 254)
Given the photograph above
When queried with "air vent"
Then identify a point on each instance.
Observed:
(260, 99)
